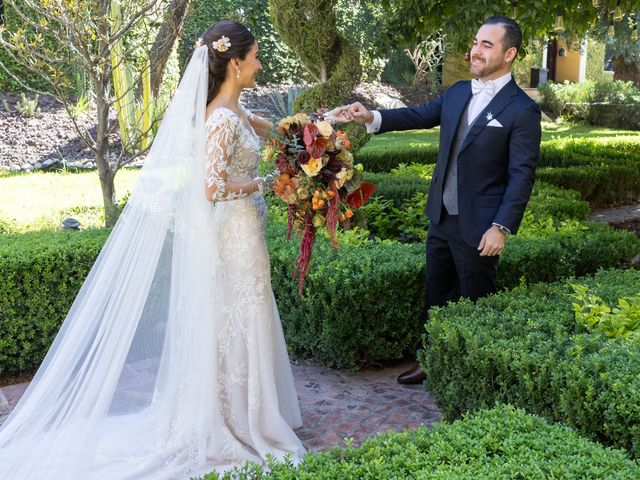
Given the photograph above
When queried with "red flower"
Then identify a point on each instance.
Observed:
(303, 157)
(360, 195)
(285, 165)
(315, 142)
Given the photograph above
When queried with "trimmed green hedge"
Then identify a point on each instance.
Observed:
(560, 203)
(397, 187)
(501, 443)
(566, 152)
(386, 154)
(525, 347)
(604, 170)
(41, 274)
(362, 303)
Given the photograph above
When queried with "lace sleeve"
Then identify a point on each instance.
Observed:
(221, 144)
(250, 116)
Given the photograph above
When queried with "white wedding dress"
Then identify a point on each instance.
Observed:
(171, 362)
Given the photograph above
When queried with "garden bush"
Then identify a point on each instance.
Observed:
(362, 303)
(568, 152)
(605, 170)
(387, 153)
(397, 188)
(501, 443)
(41, 274)
(279, 62)
(600, 185)
(525, 347)
(612, 104)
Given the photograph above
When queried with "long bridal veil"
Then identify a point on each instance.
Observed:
(125, 391)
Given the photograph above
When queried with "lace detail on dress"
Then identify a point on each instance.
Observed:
(232, 151)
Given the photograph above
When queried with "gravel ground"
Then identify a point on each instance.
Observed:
(45, 139)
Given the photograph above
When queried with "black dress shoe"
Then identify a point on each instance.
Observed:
(412, 376)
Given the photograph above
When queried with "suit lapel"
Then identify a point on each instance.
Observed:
(495, 106)
(457, 106)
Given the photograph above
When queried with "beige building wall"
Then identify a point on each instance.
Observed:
(568, 66)
(454, 70)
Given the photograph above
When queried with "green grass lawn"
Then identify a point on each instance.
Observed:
(412, 139)
(35, 201)
(41, 200)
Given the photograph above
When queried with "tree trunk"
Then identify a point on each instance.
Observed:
(626, 71)
(105, 172)
(102, 86)
(166, 37)
(324, 74)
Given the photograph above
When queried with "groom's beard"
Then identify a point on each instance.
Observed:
(484, 67)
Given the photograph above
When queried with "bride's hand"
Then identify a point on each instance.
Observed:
(265, 184)
(338, 115)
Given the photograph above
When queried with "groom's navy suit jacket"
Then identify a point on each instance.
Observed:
(496, 165)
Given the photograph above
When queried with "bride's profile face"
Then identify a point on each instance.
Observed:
(249, 67)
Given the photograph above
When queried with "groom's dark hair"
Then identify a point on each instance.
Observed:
(512, 33)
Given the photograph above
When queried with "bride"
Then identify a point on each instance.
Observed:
(172, 362)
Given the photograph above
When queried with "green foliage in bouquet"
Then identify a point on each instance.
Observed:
(504, 442)
(525, 347)
(309, 28)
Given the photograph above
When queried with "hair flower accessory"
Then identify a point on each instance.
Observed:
(221, 45)
(198, 43)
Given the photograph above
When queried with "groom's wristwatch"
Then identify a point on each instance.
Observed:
(504, 230)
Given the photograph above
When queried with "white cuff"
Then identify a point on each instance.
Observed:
(374, 126)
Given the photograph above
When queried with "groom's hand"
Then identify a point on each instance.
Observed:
(492, 242)
(337, 115)
(360, 113)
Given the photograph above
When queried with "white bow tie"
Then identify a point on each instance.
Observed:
(488, 87)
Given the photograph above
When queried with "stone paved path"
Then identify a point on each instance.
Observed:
(338, 403)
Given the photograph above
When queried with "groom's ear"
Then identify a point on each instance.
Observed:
(511, 54)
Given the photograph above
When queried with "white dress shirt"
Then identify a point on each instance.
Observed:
(477, 104)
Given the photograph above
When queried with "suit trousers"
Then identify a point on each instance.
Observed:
(454, 268)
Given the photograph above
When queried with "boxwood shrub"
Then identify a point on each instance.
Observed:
(525, 347)
(604, 170)
(501, 443)
(360, 304)
(388, 152)
(41, 274)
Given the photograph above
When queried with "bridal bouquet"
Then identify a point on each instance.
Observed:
(318, 180)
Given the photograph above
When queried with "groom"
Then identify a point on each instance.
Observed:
(482, 181)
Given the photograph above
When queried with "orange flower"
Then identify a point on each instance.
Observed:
(346, 138)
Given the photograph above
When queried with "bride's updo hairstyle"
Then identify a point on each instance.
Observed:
(237, 44)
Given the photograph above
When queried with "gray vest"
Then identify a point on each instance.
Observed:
(450, 191)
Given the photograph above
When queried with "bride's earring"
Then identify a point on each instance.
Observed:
(238, 73)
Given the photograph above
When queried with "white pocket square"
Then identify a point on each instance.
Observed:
(494, 123)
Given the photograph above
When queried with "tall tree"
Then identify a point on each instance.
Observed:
(169, 31)
(87, 34)
(309, 28)
(413, 20)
